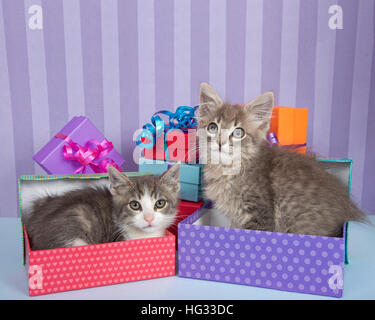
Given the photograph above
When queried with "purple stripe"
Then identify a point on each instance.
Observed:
(8, 194)
(38, 85)
(182, 31)
(128, 54)
(92, 61)
(73, 58)
(111, 78)
(199, 47)
(289, 53)
(218, 13)
(164, 54)
(54, 44)
(271, 48)
(360, 96)
(235, 54)
(15, 37)
(146, 61)
(368, 197)
(343, 80)
(306, 60)
(253, 60)
(324, 68)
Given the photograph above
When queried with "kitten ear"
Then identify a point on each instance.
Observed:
(260, 110)
(117, 180)
(171, 177)
(208, 99)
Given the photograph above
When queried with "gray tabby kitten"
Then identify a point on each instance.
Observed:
(274, 189)
(131, 208)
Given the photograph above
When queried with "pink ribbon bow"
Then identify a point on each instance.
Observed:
(86, 155)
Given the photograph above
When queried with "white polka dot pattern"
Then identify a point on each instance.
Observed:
(291, 262)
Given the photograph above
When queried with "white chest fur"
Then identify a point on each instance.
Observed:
(224, 190)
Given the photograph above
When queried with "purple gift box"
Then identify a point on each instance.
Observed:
(283, 261)
(80, 130)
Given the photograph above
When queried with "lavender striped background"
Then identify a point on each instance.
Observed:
(119, 61)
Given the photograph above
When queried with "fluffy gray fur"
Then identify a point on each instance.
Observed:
(275, 189)
(99, 215)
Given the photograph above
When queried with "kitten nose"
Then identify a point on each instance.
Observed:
(149, 218)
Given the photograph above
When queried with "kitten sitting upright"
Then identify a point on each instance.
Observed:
(273, 189)
(131, 208)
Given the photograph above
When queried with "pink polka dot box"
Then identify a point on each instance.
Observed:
(64, 269)
(210, 250)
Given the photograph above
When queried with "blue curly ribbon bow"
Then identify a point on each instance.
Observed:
(183, 119)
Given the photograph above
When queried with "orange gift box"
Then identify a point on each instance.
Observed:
(290, 126)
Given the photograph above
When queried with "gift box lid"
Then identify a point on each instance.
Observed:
(79, 129)
(55, 143)
(152, 166)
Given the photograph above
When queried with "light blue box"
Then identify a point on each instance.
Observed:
(152, 166)
(190, 176)
(189, 173)
(190, 192)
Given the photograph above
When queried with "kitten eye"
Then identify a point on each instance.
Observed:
(135, 205)
(160, 204)
(212, 127)
(238, 133)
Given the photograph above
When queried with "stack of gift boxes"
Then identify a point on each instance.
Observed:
(175, 143)
(190, 186)
(80, 153)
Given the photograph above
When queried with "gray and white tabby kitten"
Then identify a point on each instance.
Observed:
(274, 189)
(131, 208)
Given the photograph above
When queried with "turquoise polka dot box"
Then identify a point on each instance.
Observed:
(210, 250)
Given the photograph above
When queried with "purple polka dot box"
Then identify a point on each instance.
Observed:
(210, 250)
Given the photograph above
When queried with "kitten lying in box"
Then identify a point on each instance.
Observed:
(130, 208)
